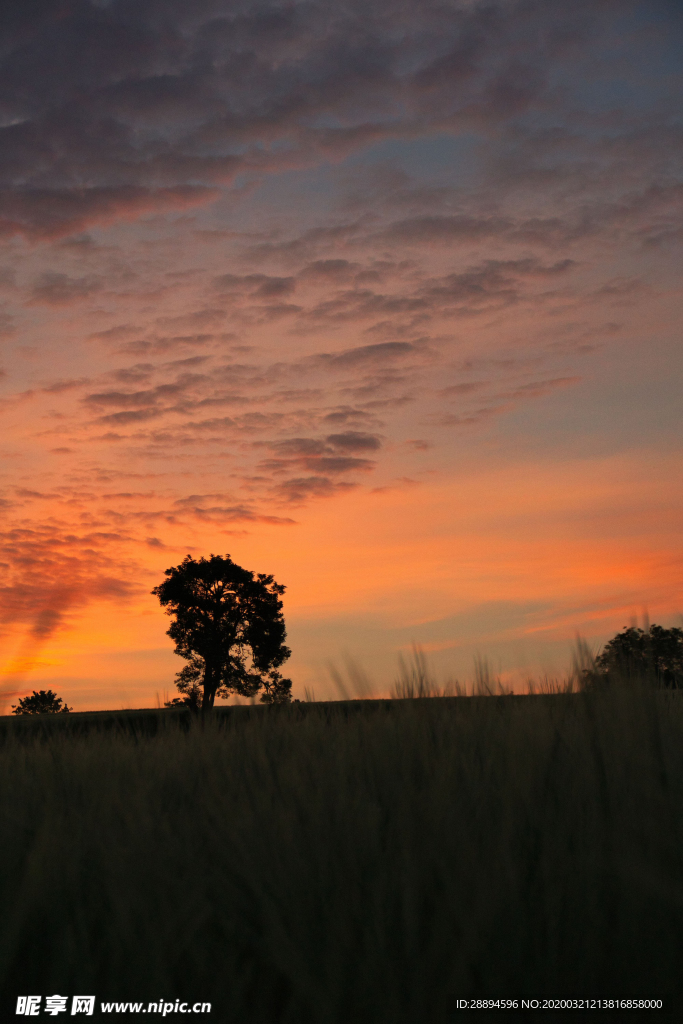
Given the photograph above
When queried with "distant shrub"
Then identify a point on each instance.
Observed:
(41, 702)
(652, 657)
(191, 690)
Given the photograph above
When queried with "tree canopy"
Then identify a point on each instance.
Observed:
(654, 655)
(41, 702)
(228, 624)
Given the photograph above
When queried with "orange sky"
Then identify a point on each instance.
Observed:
(402, 330)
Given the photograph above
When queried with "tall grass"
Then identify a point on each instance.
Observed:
(415, 680)
(362, 862)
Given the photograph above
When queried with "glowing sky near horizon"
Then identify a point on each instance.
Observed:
(381, 298)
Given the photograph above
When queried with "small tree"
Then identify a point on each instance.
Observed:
(188, 681)
(230, 628)
(41, 702)
(653, 656)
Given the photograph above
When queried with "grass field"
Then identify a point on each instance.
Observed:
(365, 861)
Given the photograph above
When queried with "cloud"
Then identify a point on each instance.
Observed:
(303, 447)
(139, 405)
(125, 398)
(401, 484)
(299, 490)
(53, 289)
(500, 401)
(456, 390)
(538, 388)
(59, 386)
(328, 270)
(409, 298)
(160, 345)
(360, 304)
(111, 111)
(258, 285)
(322, 458)
(198, 318)
(365, 355)
(354, 441)
(49, 572)
(7, 328)
(116, 333)
(346, 414)
(318, 463)
(134, 416)
(137, 372)
(203, 508)
(54, 213)
(443, 228)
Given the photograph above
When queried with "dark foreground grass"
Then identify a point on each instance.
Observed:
(329, 864)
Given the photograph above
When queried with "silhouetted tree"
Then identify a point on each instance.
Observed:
(637, 655)
(41, 702)
(230, 628)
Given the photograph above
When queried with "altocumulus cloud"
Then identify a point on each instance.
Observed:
(112, 110)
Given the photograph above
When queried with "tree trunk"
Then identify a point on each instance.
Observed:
(210, 687)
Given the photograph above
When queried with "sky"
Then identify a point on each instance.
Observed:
(383, 299)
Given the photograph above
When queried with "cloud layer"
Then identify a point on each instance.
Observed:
(112, 110)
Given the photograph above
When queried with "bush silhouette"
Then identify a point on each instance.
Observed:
(187, 681)
(652, 657)
(41, 702)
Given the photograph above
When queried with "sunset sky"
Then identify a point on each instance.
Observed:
(382, 298)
